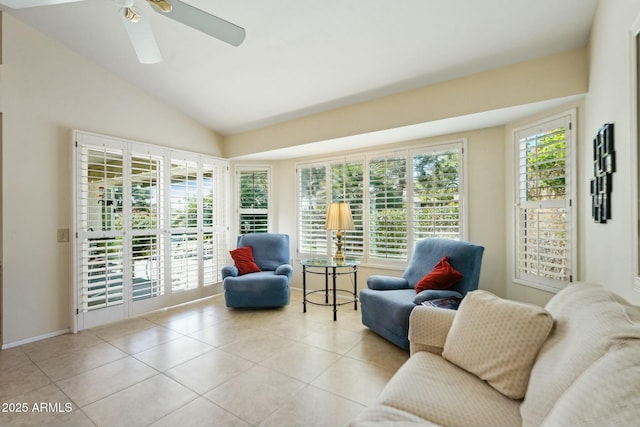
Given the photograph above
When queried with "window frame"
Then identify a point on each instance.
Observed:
(408, 152)
(239, 211)
(634, 84)
(569, 118)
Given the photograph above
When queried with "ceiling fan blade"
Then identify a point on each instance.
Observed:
(203, 21)
(142, 39)
(20, 4)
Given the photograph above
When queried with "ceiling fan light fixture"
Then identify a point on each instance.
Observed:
(131, 15)
(163, 5)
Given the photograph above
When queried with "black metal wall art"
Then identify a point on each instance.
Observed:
(604, 164)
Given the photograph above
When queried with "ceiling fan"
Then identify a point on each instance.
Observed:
(139, 30)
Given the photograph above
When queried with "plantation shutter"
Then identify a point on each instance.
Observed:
(543, 230)
(184, 224)
(213, 223)
(347, 185)
(254, 201)
(101, 232)
(388, 208)
(437, 194)
(312, 210)
(145, 216)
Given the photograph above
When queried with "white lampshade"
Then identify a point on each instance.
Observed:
(339, 217)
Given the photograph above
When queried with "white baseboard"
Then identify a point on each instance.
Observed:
(34, 339)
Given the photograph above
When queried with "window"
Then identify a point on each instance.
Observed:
(347, 185)
(150, 225)
(544, 216)
(253, 199)
(396, 198)
(312, 209)
(388, 208)
(437, 193)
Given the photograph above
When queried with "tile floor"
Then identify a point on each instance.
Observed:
(201, 364)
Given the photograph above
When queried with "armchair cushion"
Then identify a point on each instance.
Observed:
(430, 294)
(497, 340)
(243, 259)
(443, 276)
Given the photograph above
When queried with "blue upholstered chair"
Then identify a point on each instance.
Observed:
(387, 301)
(268, 287)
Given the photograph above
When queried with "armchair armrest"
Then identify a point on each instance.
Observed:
(428, 328)
(382, 283)
(229, 271)
(285, 270)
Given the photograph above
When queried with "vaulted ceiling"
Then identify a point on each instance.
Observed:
(302, 57)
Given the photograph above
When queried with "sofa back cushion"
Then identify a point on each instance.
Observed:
(590, 321)
(497, 340)
(606, 394)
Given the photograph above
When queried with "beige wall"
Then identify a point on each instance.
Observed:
(551, 77)
(608, 249)
(45, 92)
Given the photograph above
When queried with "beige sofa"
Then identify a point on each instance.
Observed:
(501, 363)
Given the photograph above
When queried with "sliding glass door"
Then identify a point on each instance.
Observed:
(150, 227)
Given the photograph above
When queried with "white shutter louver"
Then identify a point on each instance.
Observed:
(100, 227)
(254, 201)
(312, 210)
(147, 243)
(347, 184)
(388, 208)
(436, 195)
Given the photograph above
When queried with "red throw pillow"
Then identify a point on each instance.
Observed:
(443, 276)
(243, 258)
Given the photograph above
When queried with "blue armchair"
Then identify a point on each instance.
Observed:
(387, 302)
(268, 287)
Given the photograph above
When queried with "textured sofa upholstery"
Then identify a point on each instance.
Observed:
(268, 287)
(585, 373)
(387, 301)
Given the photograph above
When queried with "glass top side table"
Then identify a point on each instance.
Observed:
(328, 267)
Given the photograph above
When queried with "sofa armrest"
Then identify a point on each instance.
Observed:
(229, 271)
(383, 283)
(428, 328)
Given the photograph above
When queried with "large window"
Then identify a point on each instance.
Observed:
(395, 197)
(544, 217)
(150, 226)
(253, 199)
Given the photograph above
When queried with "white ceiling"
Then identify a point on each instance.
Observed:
(306, 56)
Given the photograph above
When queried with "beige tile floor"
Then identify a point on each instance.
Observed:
(201, 364)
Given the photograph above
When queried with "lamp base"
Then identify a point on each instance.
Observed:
(339, 256)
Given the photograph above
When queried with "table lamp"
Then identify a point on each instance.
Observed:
(339, 218)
